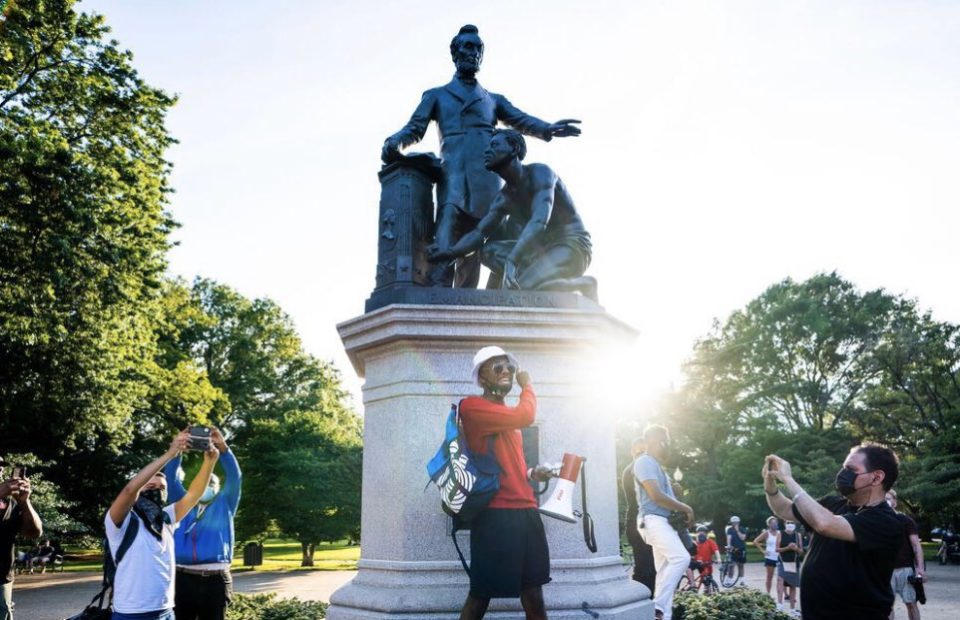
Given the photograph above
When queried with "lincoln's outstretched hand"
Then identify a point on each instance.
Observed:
(564, 128)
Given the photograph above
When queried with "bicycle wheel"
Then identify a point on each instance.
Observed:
(728, 574)
(710, 586)
(683, 585)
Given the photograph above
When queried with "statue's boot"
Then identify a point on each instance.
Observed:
(585, 285)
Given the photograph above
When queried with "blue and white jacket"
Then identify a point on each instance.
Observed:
(206, 537)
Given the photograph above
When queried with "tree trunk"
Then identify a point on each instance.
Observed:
(308, 549)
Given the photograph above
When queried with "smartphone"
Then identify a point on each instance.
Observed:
(199, 438)
(20, 472)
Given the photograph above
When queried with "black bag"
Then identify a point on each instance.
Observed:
(96, 609)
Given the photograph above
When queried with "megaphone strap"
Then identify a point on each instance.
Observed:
(589, 536)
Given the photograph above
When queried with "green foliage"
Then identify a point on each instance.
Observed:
(101, 359)
(310, 465)
(296, 438)
(48, 500)
(269, 607)
(807, 370)
(83, 230)
(83, 237)
(737, 604)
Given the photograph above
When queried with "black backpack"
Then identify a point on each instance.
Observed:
(96, 609)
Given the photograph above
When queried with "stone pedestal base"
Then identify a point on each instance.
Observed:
(416, 361)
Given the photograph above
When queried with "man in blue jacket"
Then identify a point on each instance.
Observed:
(204, 540)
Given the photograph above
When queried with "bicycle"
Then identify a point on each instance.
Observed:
(704, 580)
(728, 570)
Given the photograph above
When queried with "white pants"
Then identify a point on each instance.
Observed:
(670, 558)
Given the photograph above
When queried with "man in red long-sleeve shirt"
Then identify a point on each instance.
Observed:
(508, 547)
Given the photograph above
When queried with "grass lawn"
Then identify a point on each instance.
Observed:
(277, 555)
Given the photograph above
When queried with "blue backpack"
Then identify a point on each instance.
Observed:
(467, 480)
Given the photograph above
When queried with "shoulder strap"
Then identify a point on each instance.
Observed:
(128, 537)
(463, 561)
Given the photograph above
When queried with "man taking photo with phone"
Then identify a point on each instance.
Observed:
(204, 541)
(17, 517)
(143, 583)
(851, 558)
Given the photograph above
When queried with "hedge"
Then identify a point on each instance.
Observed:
(269, 607)
(736, 604)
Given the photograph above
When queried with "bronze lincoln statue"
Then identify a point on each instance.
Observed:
(466, 116)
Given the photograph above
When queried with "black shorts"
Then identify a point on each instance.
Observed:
(508, 551)
(738, 555)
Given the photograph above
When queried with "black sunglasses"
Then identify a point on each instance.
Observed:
(499, 368)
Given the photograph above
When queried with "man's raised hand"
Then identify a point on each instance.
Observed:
(523, 378)
(217, 438)
(181, 442)
(778, 467)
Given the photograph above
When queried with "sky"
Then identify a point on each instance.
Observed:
(726, 145)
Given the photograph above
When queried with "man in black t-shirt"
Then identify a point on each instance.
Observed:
(847, 570)
(17, 516)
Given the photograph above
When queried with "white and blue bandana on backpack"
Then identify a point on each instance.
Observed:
(467, 481)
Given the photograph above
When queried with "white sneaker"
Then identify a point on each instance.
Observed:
(779, 606)
(796, 613)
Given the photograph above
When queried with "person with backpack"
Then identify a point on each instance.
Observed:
(139, 527)
(204, 540)
(508, 546)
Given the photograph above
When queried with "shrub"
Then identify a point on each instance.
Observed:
(269, 607)
(738, 604)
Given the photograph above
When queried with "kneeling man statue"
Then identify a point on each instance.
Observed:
(532, 236)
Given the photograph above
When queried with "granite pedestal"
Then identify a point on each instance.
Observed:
(416, 361)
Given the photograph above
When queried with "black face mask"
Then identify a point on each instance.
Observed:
(157, 496)
(701, 538)
(149, 508)
(845, 482)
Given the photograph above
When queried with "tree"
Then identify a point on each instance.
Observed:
(916, 409)
(289, 416)
(83, 231)
(808, 370)
(801, 351)
(83, 237)
(307, 473)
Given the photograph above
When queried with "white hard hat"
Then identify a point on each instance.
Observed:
(488, 353)
(734, 519)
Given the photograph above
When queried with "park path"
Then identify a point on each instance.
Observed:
(57, 596)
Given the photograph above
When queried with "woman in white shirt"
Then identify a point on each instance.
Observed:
(767, 542)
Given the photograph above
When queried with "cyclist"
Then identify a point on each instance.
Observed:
(707, 553)
(737, 546)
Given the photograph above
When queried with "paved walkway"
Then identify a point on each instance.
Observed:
(60, 595)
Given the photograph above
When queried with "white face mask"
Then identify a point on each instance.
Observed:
(790, 529)
(208, 494)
